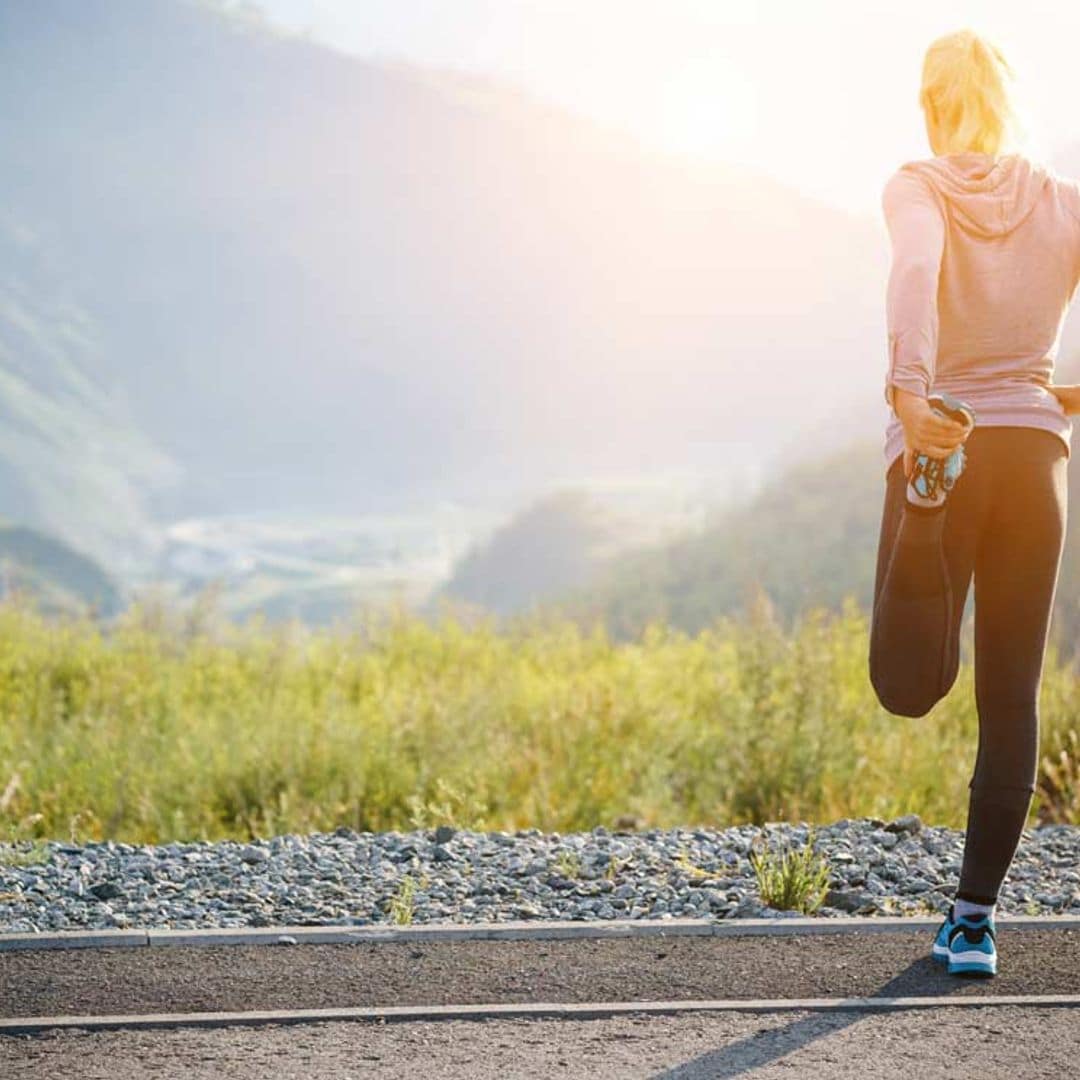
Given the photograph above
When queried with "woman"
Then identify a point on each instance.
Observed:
(985, 261)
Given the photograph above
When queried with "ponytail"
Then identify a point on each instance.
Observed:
(966, 85)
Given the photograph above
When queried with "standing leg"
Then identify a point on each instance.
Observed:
(1016, 571)
(925, 560)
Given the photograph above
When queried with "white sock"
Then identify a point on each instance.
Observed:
(966, 907)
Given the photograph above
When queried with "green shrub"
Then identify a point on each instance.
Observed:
(791, 879)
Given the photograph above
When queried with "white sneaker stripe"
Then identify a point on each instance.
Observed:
(972, 957)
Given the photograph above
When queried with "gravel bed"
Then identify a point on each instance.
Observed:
(346, 878)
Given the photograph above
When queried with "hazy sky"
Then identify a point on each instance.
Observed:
(820, 93)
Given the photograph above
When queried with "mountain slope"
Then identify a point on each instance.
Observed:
(554, 545)
(57, 578)
(72, 459)
(302, 280)
(808, 539)
(325, 282)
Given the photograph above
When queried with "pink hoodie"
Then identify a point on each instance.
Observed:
(985, 262)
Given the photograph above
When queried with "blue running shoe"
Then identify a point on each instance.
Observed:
(933, 478)
(967, 945)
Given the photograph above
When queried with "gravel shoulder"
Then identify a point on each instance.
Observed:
(344, 878)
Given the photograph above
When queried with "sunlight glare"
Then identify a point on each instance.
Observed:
(706, 107)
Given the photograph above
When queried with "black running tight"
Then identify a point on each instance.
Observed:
(1004, 523)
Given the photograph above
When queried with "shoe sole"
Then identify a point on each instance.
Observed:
(973, 970)
(971, 964)
(952, 409)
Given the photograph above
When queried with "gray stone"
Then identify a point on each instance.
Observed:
(107, 890)
(850, 901)
(908, 823)
(884, 839)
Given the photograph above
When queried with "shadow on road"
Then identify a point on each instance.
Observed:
(922, 978)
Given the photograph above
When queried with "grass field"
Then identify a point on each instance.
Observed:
(169, 726)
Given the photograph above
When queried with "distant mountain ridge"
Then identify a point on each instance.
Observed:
(324, 280)
(309, 281)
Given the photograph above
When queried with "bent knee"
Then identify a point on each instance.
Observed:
(903, 697)
(906, 706)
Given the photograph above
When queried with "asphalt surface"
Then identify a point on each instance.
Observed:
(234, 978)
(985, 1041)
(991, 1043)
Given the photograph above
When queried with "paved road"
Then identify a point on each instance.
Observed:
(231, 978)
(984, 1042)
(997, 1043)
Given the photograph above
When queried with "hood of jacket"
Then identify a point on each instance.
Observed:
(985, 196)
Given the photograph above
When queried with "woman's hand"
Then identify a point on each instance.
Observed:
(1069, 396)
(924, 430)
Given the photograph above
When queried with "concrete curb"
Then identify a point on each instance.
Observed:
(505, 931)
(31, 1025)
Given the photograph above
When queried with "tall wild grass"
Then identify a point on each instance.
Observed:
(166, 726)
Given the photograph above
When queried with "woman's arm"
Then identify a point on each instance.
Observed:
(916, 225)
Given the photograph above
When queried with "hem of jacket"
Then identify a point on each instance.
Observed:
(892, 451)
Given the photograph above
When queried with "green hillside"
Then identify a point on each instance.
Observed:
(809, 539)
(557, 544)
(53, 576)
(72, 460)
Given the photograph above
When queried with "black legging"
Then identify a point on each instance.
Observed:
(1004, 521)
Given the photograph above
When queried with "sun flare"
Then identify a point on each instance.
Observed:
(706, 107)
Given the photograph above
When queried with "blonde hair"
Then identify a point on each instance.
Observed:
(966, 87)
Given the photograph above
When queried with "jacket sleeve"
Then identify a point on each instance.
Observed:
(916, 227)
(1069, 190)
